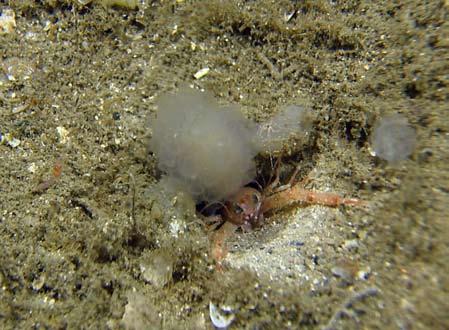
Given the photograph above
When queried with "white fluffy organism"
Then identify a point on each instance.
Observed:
(207, 149)
(393, 139)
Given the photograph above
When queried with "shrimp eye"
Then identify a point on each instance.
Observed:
(237, 209)
(255, 198)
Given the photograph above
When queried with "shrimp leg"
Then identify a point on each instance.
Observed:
(219, 249)
(297, 194)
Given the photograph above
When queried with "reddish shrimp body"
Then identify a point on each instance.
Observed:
(244, 208)
(247, 207)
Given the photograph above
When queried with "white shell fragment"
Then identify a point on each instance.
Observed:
(219, 319)
(14, 143)
(289, 15)
(201, 73)
(9, 140)
(63, 134)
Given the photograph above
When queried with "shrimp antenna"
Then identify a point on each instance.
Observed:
(210, 204)
(257, 183)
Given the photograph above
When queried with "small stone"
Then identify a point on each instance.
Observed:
(363, 274)
(351, 244)
(346, 270)
(116, 115)
(342, 273)
(38, 283)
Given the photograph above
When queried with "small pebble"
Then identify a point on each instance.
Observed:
(38, 283)
(342, 272)
(351, 244)
(364, 274)
(116, 115)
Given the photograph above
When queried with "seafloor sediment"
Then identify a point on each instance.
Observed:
(90, 236)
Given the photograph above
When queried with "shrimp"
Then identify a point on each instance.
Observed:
(246, 209)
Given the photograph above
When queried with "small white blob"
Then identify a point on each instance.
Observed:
(393, 139)
(291, 121)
